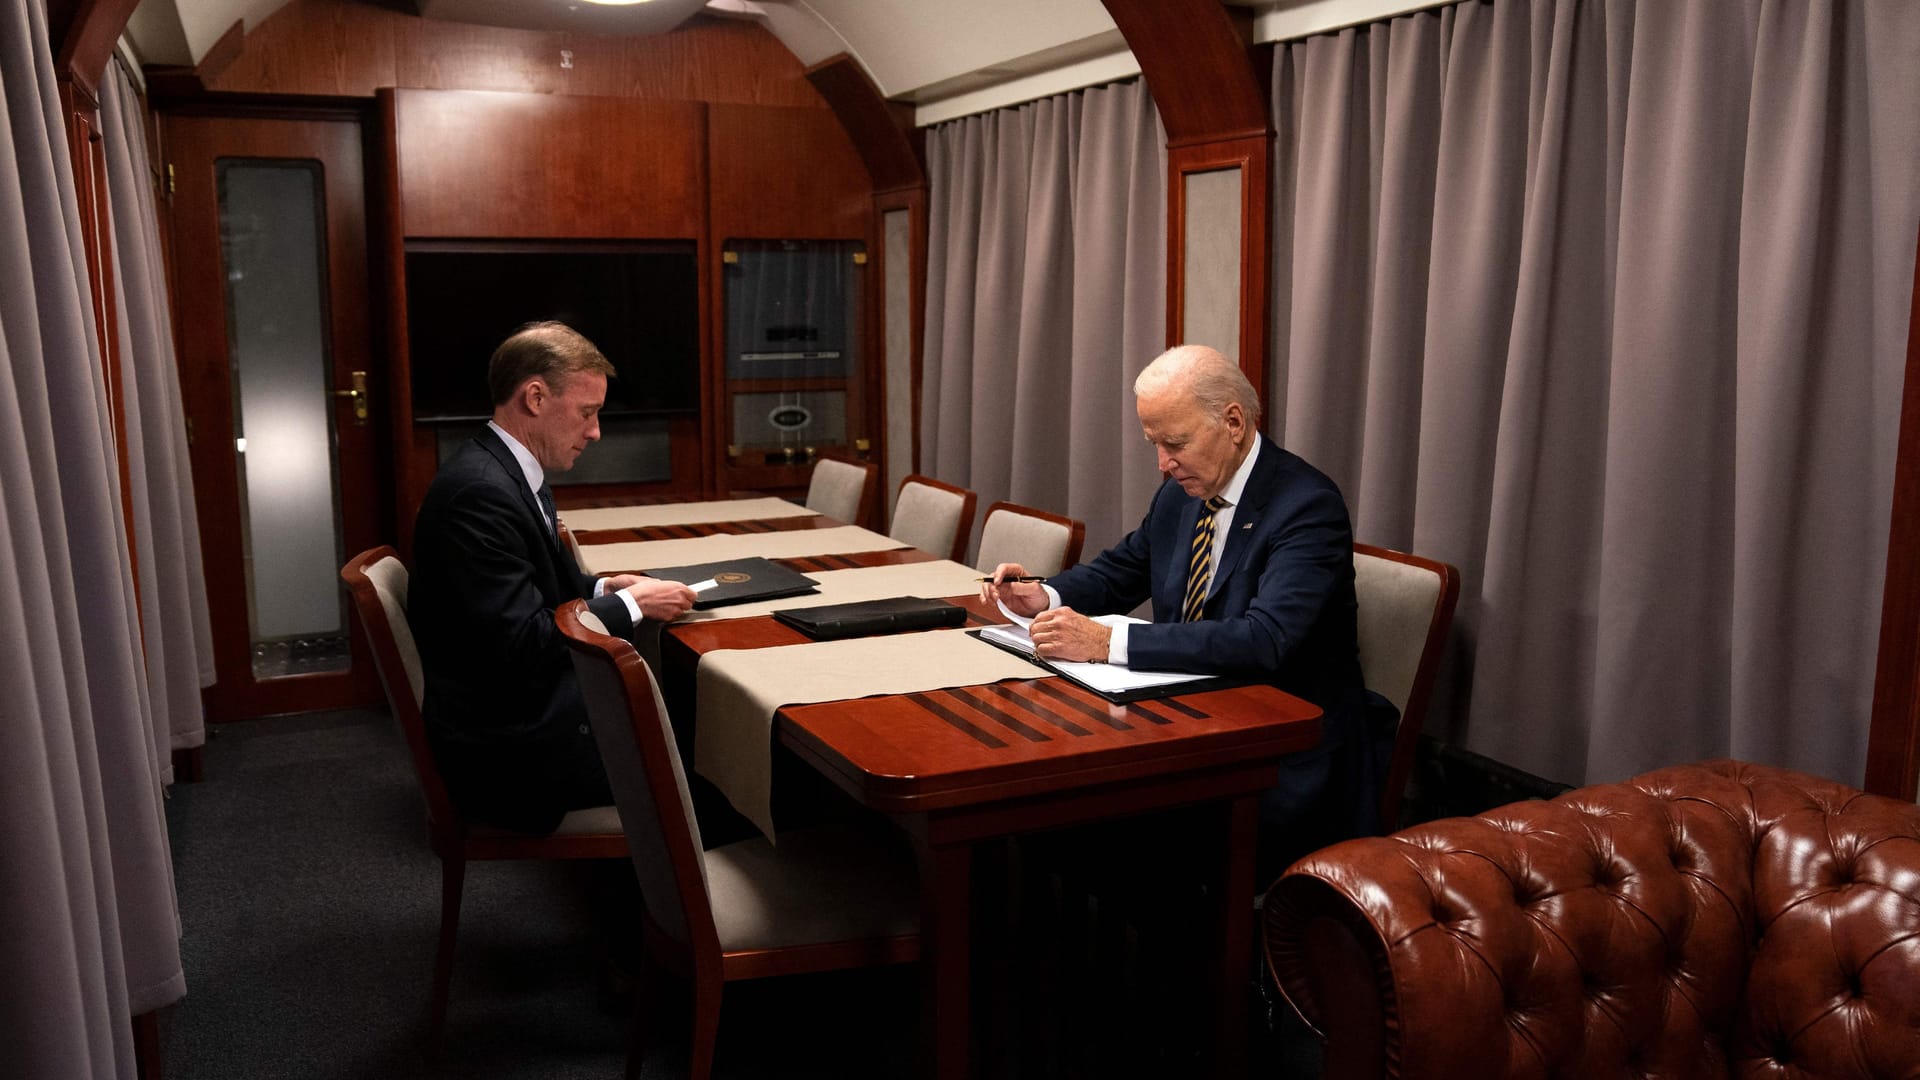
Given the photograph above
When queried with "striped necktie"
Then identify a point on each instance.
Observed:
(545, 495)
(1200, 562)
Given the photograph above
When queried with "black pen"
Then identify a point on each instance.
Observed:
(1011, 579)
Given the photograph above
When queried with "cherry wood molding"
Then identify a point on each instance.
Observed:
(1252, 156)
(1194, 55)
(1207, 83)
(913, 200)
(83, 35)
(1893, 741)
(882, 131)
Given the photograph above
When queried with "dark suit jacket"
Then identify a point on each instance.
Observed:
(1282, 607)
(487, 577)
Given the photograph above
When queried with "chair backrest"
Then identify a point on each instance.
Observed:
(377, 582)
(642, 759)
(839, 489)
(933, 516)
(572, 544)
(1406, 607)
(1043, 543)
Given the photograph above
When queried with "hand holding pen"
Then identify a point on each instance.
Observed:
(1010, 584)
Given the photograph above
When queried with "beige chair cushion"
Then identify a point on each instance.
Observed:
(833, 883)
(1396, 610)
(836, 488)
(389, 579)
(1035, 543)
(927, 518)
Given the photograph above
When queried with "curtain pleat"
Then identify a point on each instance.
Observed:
(174, 617)
(1046, 294)
(85, 885)
(1606, 304)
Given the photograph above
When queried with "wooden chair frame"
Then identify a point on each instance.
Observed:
(452, 840)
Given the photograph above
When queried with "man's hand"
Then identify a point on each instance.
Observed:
(1065, 634)
(1024, 598)
(661, 601)
(616, 582)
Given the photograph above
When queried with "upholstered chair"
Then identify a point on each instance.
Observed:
(1043, 543)
(1406, 610)
(830, 897)
(377, 582)
(932, 516)
(839, 489)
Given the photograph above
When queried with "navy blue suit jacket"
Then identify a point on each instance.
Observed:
(487, 577)
(1282, 608)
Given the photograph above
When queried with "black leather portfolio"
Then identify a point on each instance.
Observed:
(867, 617)
(737, 581)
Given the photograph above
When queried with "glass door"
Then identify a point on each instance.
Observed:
(272, 318)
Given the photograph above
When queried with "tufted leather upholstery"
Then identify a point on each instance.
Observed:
(1714, 920)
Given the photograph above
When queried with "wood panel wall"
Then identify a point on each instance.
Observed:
(711, 132)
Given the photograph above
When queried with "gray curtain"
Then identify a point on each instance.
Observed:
(85, 886)
(1046, 294)
(173, 592)
(1606, 303)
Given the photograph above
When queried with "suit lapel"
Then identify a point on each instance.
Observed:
(518, 479)
(1246, 513)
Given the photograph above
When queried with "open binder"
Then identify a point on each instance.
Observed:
(1113, 682)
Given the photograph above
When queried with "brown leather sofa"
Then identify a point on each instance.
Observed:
(1714, 920)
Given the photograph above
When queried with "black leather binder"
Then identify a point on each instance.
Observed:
(738, 580)
(889, 616)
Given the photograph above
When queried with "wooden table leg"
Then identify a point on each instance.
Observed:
(946, 888)
(1234, 918)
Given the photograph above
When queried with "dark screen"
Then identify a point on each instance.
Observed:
(640, 306)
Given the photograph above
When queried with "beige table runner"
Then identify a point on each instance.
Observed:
(690, 513)
(739, 690)
(929, 579)
(847, 539)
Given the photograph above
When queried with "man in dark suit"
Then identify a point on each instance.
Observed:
(503, 712)
(1247, 555)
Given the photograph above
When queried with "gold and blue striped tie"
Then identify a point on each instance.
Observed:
(1200, 562)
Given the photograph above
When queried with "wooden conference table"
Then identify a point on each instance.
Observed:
(959, 766)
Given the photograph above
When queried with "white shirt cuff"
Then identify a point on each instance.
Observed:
(633, 606)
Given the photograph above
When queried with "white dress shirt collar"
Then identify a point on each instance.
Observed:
(1231, 493)
(536, 476)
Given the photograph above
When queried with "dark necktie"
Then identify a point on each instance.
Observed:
(1200, 562)
(545, 495)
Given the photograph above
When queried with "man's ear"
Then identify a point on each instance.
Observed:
(534, 394)
(1236, 420)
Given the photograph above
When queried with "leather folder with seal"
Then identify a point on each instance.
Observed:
(868, 617)
(735, 581)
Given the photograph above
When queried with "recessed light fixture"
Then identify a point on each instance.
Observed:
(618, 3)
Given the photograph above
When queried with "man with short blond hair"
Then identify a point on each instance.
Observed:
(503, 712)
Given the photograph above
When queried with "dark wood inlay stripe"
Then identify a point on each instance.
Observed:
(1012, 723)
(958, 721)
(1098, 712)
(757, 525)
(1151, 717)
(1038, 709)
(1180, 707)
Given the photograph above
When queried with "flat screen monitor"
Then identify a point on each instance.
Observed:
(639, 302)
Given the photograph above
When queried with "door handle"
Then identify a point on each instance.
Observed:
(359, 396)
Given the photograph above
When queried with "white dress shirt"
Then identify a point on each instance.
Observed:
(1222, 523)
(537, 479)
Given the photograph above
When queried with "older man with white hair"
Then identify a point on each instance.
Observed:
(1247, 555)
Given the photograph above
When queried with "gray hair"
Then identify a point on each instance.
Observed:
(1209, 377)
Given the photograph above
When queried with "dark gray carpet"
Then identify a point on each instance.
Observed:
(310, 903)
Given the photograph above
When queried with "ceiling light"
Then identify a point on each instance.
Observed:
(617, 3)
